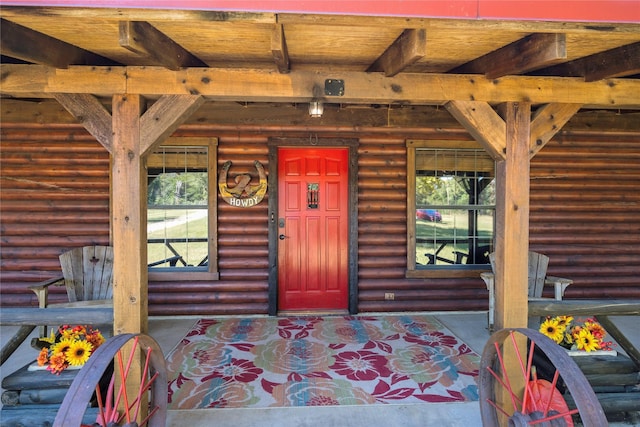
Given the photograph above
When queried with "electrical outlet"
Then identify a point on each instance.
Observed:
(389, 296)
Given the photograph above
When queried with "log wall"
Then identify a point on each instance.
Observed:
(585, 214)
(55, 197)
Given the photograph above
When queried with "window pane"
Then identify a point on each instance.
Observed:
(177, 216)
(455, 207)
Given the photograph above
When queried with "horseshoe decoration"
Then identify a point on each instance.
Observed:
(243, 194)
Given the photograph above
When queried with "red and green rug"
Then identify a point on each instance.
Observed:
(312, 361)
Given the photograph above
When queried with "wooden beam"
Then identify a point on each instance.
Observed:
(408, 48)
(512, 221)
(582, 307)
(164, 117)
(128, 184)
(117, 14)
(88, 110)
(21, 80)
(483, 123)
(618, 62)
(55, 316)
(28, 45)
(530, 53)
(198, 15)
(548, 121)
(128, 214)
(144, 39)
(406, 120)
(279, 49)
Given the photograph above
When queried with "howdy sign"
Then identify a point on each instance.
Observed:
(243, 194)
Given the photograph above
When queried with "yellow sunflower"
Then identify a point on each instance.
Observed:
(586, 341)
(564, 320)
(78, 353)
(553, 329)
(62, 346)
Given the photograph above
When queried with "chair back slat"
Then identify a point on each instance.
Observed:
(538, 264)
(537, 271)
(88, 273)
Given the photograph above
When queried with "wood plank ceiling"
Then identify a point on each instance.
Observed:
(63, 38)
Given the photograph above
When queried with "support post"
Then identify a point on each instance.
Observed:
(512, 220)
(130, 286)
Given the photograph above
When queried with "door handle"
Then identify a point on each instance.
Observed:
(282, 237)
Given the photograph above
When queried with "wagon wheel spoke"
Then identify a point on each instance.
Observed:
(99, 395)
(524, 379)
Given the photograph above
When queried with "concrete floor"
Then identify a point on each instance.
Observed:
(469, 327)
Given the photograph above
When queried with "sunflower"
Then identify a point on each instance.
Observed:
(78, 353)
(553, 329)
(62, 346)
(586, 341)
(564, 321)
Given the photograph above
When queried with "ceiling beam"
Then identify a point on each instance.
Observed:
(530, 53)
(618, 62)
(19, 80)
(144, 39)
(279, 49)
(31, 46)
(408, 48)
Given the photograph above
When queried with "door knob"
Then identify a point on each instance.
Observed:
(281, 237)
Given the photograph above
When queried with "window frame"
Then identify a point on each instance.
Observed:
(455, 270)
(182, 273)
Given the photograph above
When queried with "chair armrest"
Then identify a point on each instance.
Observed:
(488, 279)
(42, 290)
(560, 285)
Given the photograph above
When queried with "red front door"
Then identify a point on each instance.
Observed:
(313, 216)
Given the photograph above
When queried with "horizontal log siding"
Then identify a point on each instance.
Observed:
(242, 247)
(55, 197)
(585, 213)
(382, 251)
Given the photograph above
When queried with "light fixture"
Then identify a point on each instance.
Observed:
(316, 108)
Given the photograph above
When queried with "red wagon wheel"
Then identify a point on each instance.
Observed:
(540, 402)
(90, 385)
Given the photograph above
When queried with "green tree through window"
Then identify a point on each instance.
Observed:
(452, 208)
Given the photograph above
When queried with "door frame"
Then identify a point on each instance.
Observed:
(352, 145)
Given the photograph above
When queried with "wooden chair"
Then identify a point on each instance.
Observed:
(87, 276)
(537, 280)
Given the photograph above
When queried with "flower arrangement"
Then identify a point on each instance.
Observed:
(71, 346)
(586, 336)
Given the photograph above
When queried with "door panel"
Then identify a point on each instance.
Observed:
(313, 223)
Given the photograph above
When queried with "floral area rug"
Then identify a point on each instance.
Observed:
(312, 361)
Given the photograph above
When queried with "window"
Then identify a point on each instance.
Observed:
(450, 208)
(181, 195)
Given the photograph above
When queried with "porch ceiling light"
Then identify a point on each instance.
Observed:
(316, 108)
